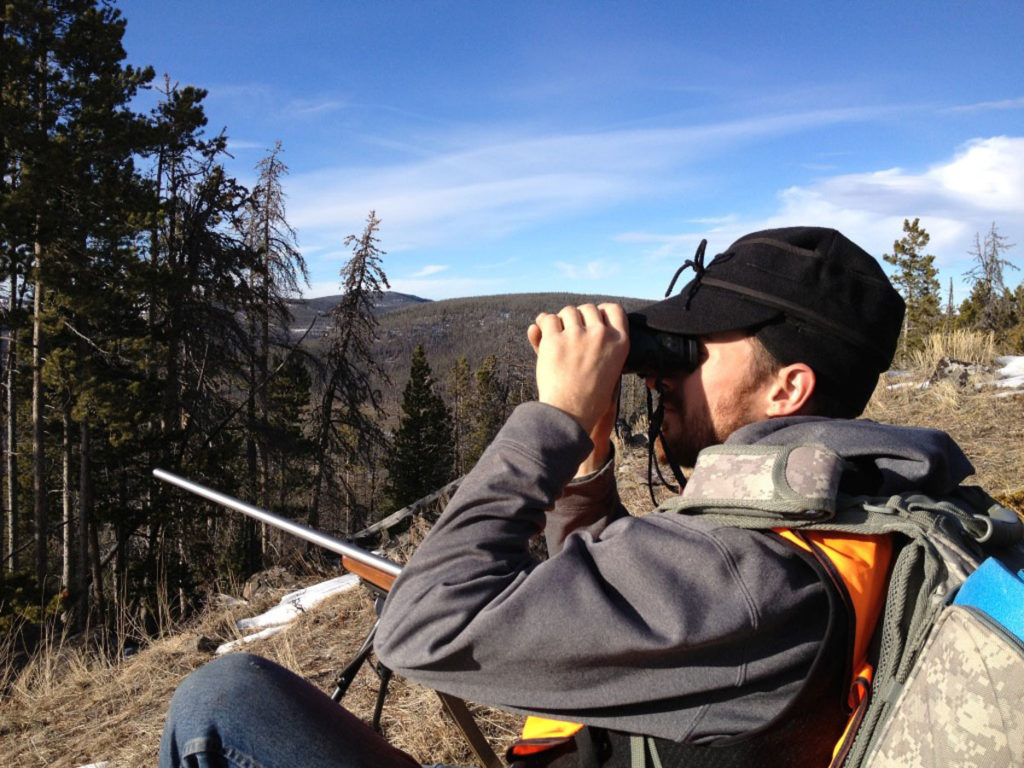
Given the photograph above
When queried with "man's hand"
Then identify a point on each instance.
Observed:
(580, 354)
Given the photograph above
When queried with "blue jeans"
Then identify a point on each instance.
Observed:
(242, 711)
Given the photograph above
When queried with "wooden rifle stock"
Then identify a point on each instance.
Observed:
(368, 573)
(377, 570)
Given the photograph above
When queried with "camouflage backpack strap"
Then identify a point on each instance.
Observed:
(797, 486)
(762, 486)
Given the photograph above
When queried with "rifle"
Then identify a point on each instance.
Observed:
(377, 572)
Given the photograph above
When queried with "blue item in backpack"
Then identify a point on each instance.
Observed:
(998, 592)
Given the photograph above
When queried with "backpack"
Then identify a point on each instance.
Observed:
(949, 670)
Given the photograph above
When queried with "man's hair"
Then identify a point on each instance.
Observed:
(824, 400)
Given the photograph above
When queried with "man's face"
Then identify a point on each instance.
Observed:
(705, 406)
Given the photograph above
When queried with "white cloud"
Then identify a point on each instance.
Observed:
(719, 231)
(322, 288)
(985, 106)
(668, 247)
(433, 288)
(313, 107)
(717, 221)
(989, 175)
(238, 144)
(429, 269)
(983, 182)
(986, 175)
(263, 99)
(488, 187)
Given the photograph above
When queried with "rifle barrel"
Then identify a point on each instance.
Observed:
(304, 532)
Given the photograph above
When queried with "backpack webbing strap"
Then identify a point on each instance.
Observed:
(638, 750)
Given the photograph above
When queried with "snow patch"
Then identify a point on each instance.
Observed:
(268, 632)
(1010, 371)
(292, 605)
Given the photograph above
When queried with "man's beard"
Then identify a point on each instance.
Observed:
(692, 426)
(687, 433)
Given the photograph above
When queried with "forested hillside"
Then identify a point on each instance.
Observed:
(450, 330)
(474, 327)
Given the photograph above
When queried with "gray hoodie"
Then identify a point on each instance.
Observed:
(665, 624)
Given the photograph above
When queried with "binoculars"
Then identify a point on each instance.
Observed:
(654, 352)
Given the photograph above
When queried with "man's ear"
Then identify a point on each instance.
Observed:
(790, 390)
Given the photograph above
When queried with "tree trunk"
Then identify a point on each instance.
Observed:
(3, 509)
(68, 517)
(84, 515)
(250, 533)
(323, 451)
(12, 436)
(262, 405)
(38, 449)
(97, 570)
(264, 448)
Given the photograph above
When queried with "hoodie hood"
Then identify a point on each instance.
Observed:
(880, 459)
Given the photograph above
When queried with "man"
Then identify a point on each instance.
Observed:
(724, 645)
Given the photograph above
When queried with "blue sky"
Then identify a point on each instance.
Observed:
(588, 146)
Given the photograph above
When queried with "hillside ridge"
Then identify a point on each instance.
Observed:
(448, 329)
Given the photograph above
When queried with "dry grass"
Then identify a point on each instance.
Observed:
(986, 422)
(67, 708)
(967, 346)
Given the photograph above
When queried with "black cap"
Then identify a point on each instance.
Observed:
(811, 295)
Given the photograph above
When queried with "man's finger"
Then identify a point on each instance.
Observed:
(533, 334)
(615, 316)
(591, 315)
(548, 323)
(570, 317)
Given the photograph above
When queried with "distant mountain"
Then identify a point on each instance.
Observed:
(306, 311)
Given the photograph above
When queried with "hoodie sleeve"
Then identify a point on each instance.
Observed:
(662, 624)
(586, 505)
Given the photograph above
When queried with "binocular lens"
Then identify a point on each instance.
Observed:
(654, 352)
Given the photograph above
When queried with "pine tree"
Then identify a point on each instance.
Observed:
(488, 409)
(917, 282)
(346, 419)
(422, 451)
(278, 267)
(68, 142)
(1015, 336)
(949, 318)
(289, 450)
(459, 394)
